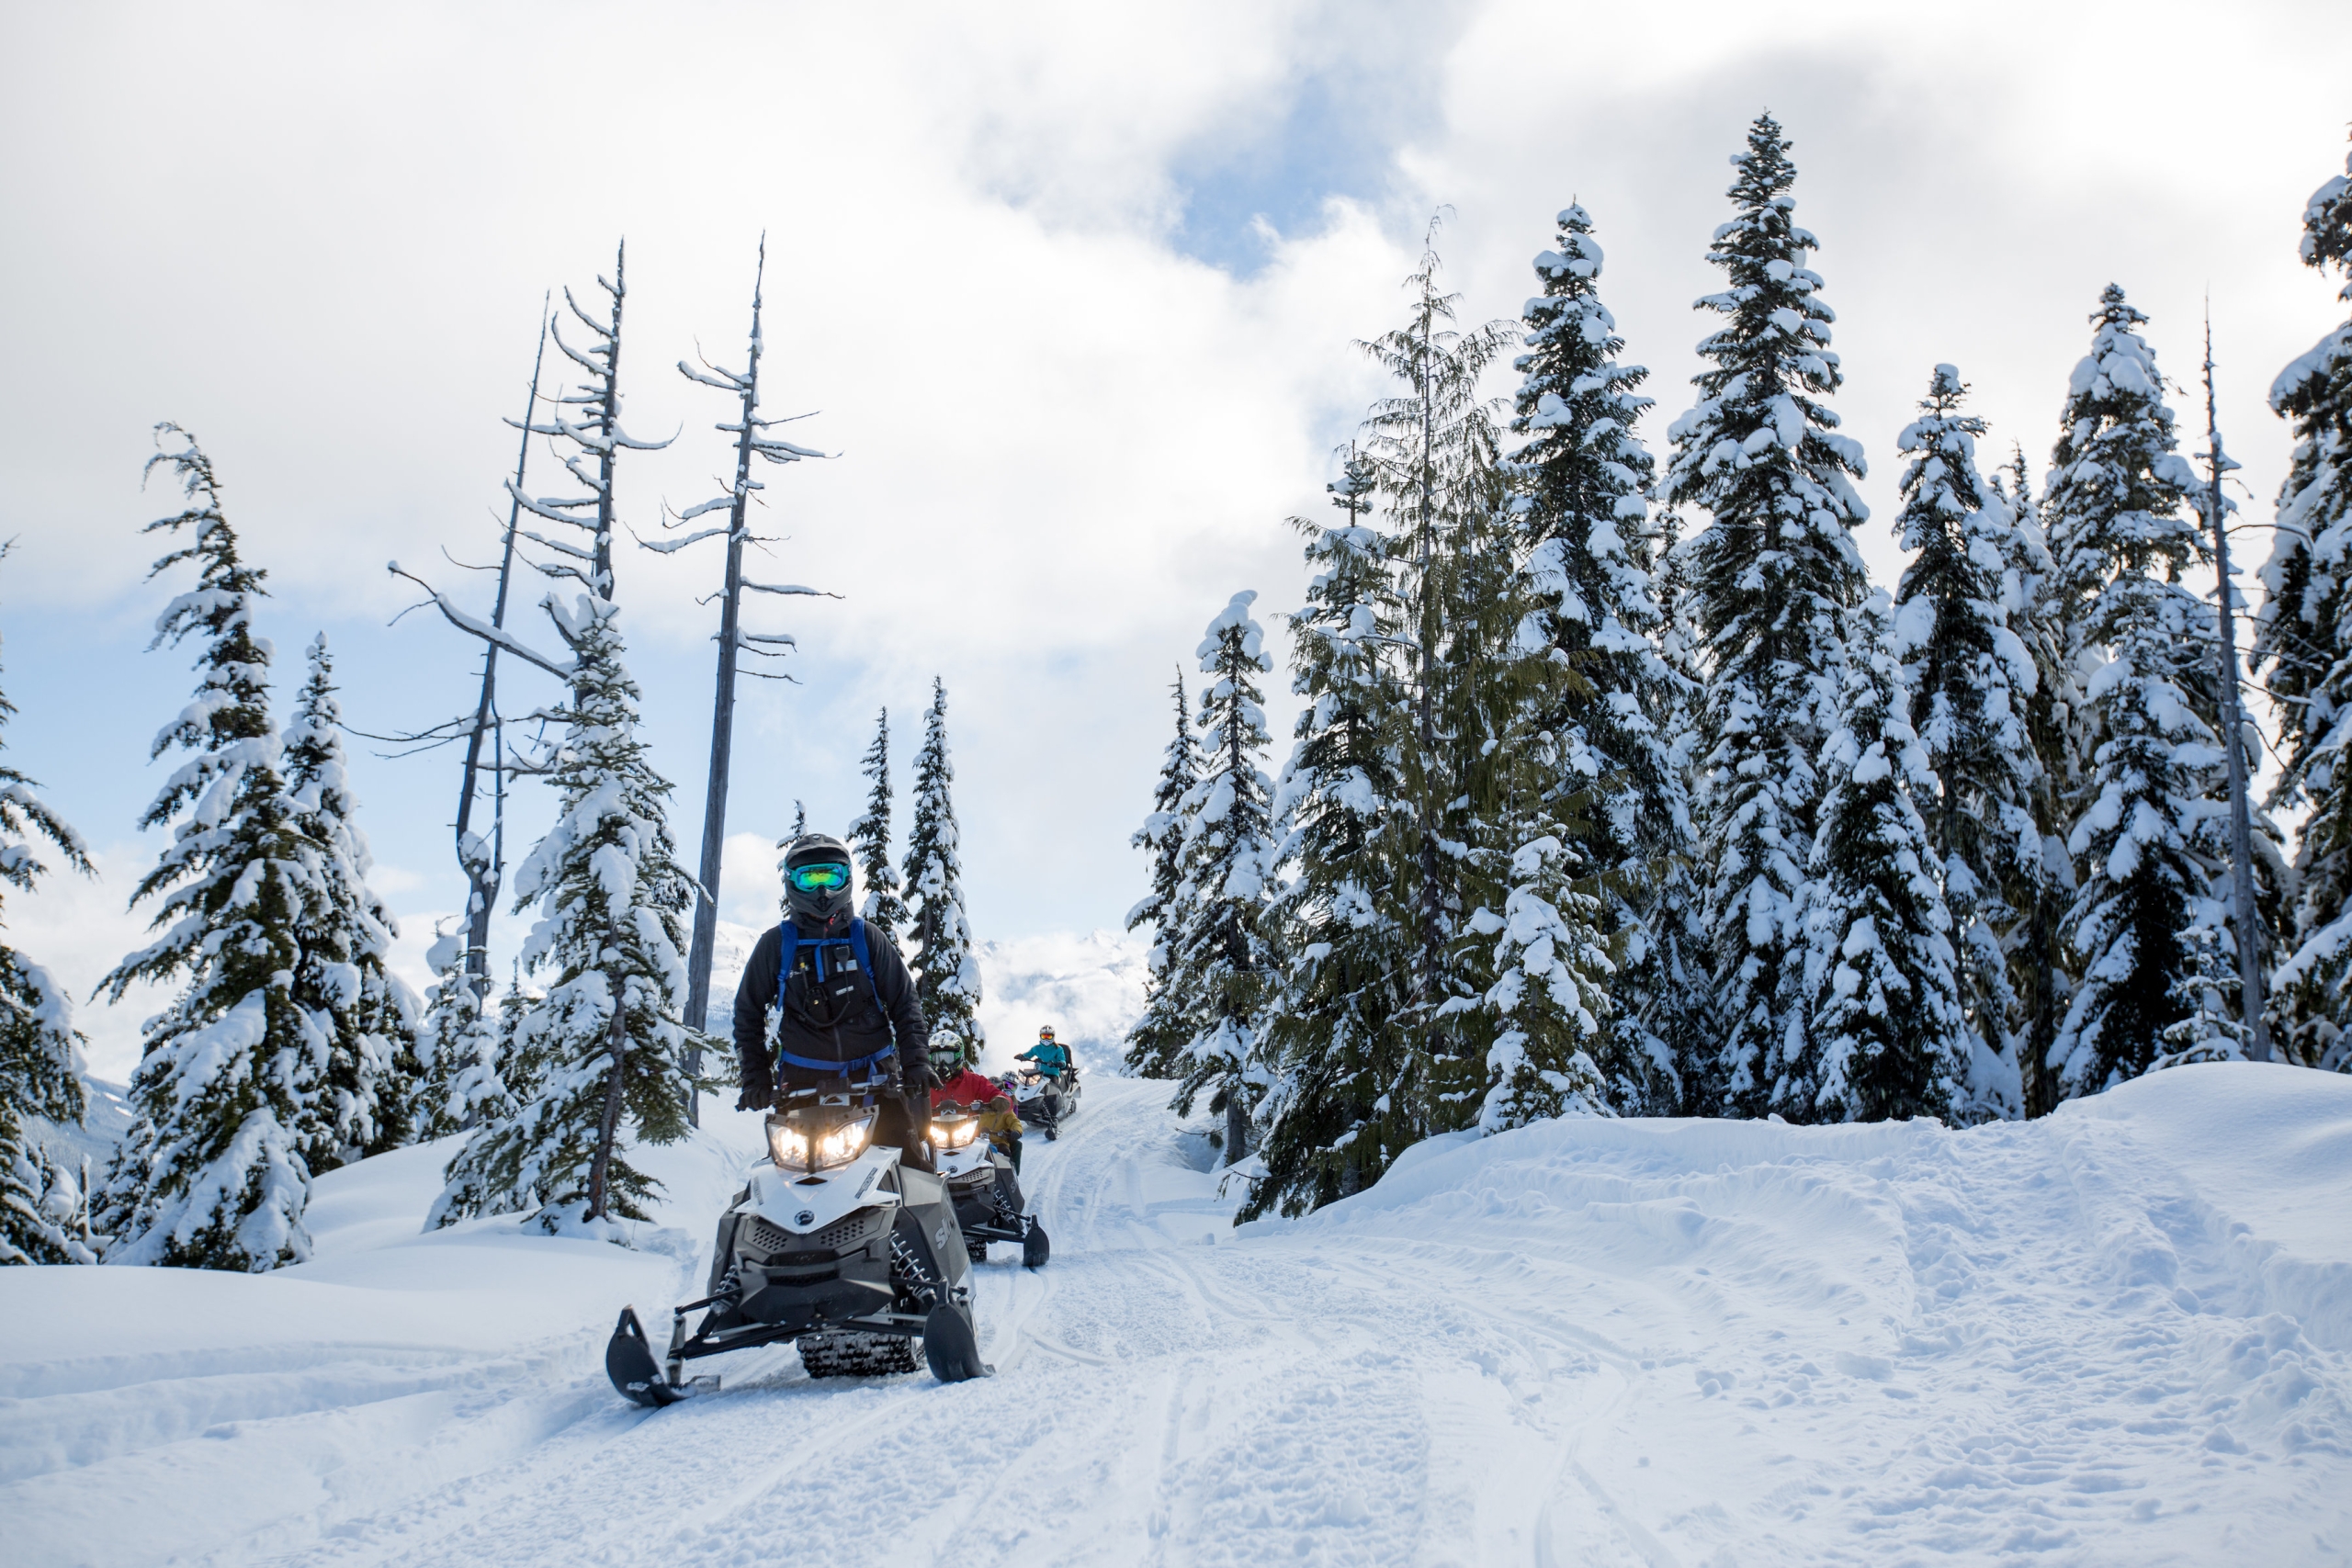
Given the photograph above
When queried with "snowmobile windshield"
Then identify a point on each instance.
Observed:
(818, 1137)
(953, 1131)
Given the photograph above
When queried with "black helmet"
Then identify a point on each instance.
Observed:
(819, 904)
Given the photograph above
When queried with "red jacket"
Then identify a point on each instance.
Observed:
(969, 1089)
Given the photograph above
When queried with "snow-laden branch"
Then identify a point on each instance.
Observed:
(497, 637)
(789, 588)
(672, 547)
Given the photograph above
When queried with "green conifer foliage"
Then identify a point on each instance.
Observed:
(2306, 638)
(39, 1048)
(1335, 1043)
(1878, 1032)
(364, 1102)
(947, 972)
(1772, 577)
(869, 840)
(1158, 1040)
(212, 1174)
(606, 1044)
(2120, 539)
(1972, 682)
(1222, 955)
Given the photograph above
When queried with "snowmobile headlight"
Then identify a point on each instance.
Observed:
(954, 1131)
(800, 1147)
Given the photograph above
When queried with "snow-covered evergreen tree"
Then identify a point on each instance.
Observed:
(1221, 955)
(212, 1174)
(2113, 504)
(39, 1048)
(1550, 995)
(1876, 1031)
(1971, 680)
(1580, 516)
(1773, 576)
(1436, 450)
(2306, 636)
(869, 840)
(2039, 977)
(1155, 1042)
(457, 1046)
(1666, 1004)
(362, 1104)
(610, 891)
(1336, 1042)
(947, 972)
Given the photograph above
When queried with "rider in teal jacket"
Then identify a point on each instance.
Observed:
(1052, 1058)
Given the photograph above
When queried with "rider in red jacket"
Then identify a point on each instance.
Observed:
(959, 1082)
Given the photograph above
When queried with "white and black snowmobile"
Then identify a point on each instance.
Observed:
(985, 1189)
(1044, 1101)
(834, 1244)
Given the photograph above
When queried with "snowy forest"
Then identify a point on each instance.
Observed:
(290, 1048)
(1619, 789)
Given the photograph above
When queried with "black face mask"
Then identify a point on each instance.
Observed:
(834, 999)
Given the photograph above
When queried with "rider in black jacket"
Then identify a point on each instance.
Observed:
(832, 1017)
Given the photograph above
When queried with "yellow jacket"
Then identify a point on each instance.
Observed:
(1000, 1126)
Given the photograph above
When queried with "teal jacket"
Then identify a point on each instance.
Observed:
(1051, 1056)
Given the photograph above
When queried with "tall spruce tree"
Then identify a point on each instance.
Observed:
(1336, 1042)
(2039, 971)
(1876, 1029)
(607, 1035)
(1972, 682)
(2305, 635)
(2114, 507)
(869, 840)
(1222, 955)
(364, 1102)
(1669, 988)
(39, 1048)
(1581, 515)
(947, 972)
(1773, 575)
(1157, 1039)
(211, 1176)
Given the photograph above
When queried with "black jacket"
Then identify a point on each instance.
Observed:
(864, 1030)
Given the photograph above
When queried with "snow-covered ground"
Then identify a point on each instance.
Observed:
(2122, 1334)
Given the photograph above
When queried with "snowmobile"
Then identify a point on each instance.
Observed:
(985, 1192)
(1046, 1101)
(835, 1244)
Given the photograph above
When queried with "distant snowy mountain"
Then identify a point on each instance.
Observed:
(1089, 986)
(102, 1127)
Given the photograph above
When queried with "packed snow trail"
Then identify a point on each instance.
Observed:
(2122, 1334)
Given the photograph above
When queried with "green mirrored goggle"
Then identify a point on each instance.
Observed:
(818, 879)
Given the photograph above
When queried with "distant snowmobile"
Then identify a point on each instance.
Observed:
(1044, 1101)
(985, 1192)
(833, 1244)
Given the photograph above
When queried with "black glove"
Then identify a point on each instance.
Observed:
(920, 1077)
(757, 1095)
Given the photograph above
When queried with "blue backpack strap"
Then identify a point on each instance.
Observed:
(857, 945)
(865, 958)
(791, 945)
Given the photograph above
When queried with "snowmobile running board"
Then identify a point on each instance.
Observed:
(630, 1363)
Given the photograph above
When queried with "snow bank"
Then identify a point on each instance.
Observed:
(2121, 1335)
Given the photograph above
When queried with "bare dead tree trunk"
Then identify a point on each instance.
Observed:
(484, 864)
(722, 714)
(2234, 734)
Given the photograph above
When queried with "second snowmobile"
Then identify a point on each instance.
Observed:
(986, 1191)
(834, 1244)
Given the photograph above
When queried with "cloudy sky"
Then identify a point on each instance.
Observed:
(1071, 289)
